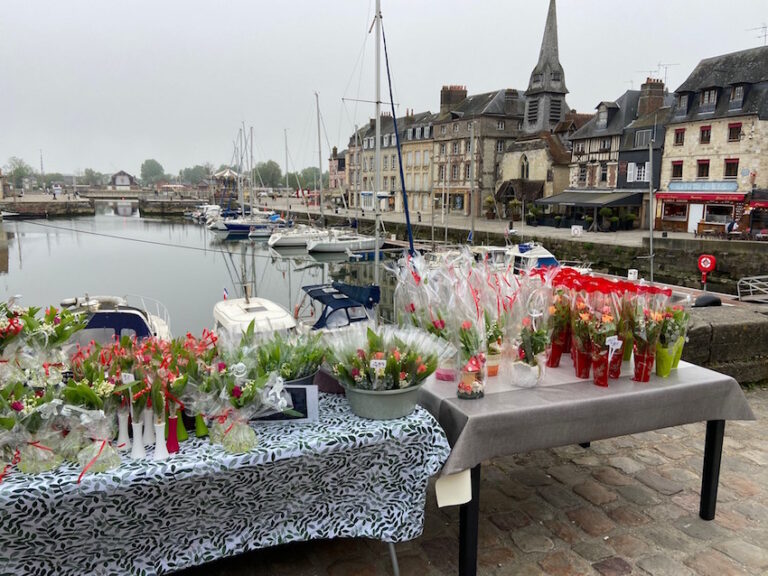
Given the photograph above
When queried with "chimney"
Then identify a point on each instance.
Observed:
(335, 153)
(450, 96)
(651, 96)
(510, 101)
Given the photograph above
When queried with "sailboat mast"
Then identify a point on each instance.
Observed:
(320, 160)
(377, 156)
(285, 134)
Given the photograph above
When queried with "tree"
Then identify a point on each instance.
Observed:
(309, 178)
(270, 173)
(194, 175)
(17, 170)
(92, 178)
(151, 171)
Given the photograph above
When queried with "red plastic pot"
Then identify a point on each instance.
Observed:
(643, 364)
(554, 353)
(600, 367)
(582, 362)
(614, 368)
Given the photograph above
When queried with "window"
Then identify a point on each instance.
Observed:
(500, 146)
(537, 79)
(682, 105)
(703, 169)
(641, 172)
(468, 146)
(467, 170)
(602, 117)
(737, 93)
(719, 213)
(555, 110)
(455, 172)
(677, 170)
(442, 149)
(731, 168)
(418, 133)
(426, 157)
(455, 147)
(409, 182)
(443, 129)
(679, 136)
(579, 147)
(365, 144)
(603, 172)
(675, 211)
(524, 168)
(582, 172)
(394, 162)
(408, 159)
(533, 112)
(417, 158)
(441, 174)
(456, 127)
(426, 131)
(386, 180)
(365, 164)
(417, 182)
(409, 135)
(556, 76)
(708, 100)
(705, 134)
(384, 162)
(642, 138)
(605, 144)
(500, 125)
(734, 132)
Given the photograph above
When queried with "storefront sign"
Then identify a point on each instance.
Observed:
(700, 197)
(729, 186)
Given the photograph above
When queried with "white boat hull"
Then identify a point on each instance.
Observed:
(340, 244)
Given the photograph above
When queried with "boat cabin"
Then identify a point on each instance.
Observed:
(232, 318)
(342, 304)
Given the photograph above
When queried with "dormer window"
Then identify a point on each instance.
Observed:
(386, 139)
(602, 117)
(682, 105)
(410, 134)
(418, 133)
(737, 97)
(708, 100)
(537, 78)
(556, 76)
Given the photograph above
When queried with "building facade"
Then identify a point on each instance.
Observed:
(337, 173)
(714, 154)
(417, 145)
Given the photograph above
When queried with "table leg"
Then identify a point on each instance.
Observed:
(585, 445)
(710, 476)
(393, 558)
(469, 517)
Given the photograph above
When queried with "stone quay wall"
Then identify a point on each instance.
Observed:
(50, 208)
(166, 208)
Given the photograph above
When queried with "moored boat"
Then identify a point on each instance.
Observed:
(344, 243)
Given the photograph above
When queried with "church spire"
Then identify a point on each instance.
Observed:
(548, 74)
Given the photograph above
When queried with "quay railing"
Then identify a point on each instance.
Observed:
(753, 289)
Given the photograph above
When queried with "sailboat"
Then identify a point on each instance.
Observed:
(299, 236)
(345, 242)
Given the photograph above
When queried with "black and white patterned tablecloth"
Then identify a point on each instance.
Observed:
(342, 476)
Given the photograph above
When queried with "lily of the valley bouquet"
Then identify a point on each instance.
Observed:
(669, 349)
(292, 357)
(383, 358)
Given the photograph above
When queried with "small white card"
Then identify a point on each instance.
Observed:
(127, 378)
(378, 364)
(614, 342)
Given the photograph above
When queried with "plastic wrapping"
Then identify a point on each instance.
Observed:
(672, 338)
(99, 455)
(647, 319)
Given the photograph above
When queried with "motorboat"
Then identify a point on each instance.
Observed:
(242, 226)
(267, 229)
(341, 304)
(6, 215)
(297, 237)
(112, 317)
(529, 256)
(232, 317)
(344, 242)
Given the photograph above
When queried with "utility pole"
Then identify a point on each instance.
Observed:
(377, 155)
(472, 202)
(652, 218)
(320, 161)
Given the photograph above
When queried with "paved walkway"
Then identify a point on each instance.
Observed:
(623, 506)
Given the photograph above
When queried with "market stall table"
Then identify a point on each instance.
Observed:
(339, 477)
(564, 410)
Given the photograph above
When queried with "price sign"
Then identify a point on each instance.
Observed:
(614, 345)
(127, 378)
(378, 364)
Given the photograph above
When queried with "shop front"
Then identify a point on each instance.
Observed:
(700, 213)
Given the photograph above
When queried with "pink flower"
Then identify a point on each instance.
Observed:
(237, 392)
(411, 308)
(18, 406)
(56, 321)
(403, 375)
(221, 366)
(439, 324)
(466, 325)
(421, 369)
(526, 321)
(361, 353)
(355, 372)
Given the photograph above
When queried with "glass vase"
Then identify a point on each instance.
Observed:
(472, 383)
(492, 365)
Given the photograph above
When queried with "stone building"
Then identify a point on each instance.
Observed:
(122, 181)
(714, 164)
(416, 144)
(354, 166)
(337, 173)
(390, 173)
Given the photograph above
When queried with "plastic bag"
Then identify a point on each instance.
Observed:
(99, 455)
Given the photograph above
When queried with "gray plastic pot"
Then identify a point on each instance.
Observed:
(384, 404)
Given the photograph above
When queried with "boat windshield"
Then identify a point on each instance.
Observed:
(337, 319)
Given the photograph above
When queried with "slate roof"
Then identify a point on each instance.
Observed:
(559, 153)
(746, 66)
(626, 111)
(755, 103)
(659, 118)
(572, 120)
(489, 103)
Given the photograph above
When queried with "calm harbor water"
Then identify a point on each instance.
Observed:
(181, 264)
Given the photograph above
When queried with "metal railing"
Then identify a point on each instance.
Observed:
(753, 289)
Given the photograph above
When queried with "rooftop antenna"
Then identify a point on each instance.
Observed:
(666, 67)
(763, 32)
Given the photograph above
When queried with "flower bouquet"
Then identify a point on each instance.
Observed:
(11, 324)
(99, 455)
(293, 358)
(581, 345)
(601, 316)
(39, 450)
(671, 339)
(528, 335)
(381, 369)
(559, 324)
(80, 396)
(647, 319)
(623, 296)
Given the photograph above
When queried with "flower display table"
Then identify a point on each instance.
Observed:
(341, 476)
(564, 410)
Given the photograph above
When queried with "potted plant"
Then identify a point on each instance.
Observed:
(493, 340)
(588, 221)
(382, 369)
(629, 220)
(614, 220)
(296, 359)
(513, 209)
(671, 339)
(490, 207)
(558, 220)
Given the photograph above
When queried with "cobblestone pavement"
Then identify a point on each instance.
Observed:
(628, 505)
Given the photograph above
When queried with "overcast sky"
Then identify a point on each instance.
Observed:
(105, 84)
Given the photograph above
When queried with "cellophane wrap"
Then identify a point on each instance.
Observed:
(528, 323)
(99, 455)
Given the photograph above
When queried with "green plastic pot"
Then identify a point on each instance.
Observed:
(384, 404)
(664, 359)
(678, 352)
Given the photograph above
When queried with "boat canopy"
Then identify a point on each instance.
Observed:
(343, 304)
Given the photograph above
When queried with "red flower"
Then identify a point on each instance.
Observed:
(396, 354)
(421, 369)
(355, 372)
(379, 355)
(221, 366)
(56, 321)
(18, 406)
(466, 325)
(411, 308)
(361, 353)
(439, 324)
(403, 375)
(526, 321)
(39, 393)
(237, 392)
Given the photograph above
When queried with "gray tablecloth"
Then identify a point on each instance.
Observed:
(564, 410)
(341, 476)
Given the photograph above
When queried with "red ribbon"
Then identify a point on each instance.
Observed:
(15, 460)
(87, 466)
(37, 444)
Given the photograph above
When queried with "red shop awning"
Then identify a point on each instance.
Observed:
(700, 196)
(758, 204)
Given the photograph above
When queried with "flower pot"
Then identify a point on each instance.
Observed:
(181, 429)
(123, 440)
(172, 443)
(643, 364)
(471, 384)
(137, 449)
(582, 362)
(161, 451)
(201, 429)
(524, 375)
(492, 365)
(554, 352)
(149, 429)
(327, 383)
(678, 352)
(600, 366)
(614, 365)
(382, 404)
(665, 357)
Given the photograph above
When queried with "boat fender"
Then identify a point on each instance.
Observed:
(296, 312)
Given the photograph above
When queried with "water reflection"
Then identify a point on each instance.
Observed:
(179, 263)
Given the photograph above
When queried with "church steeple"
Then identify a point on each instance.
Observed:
(546, 87)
